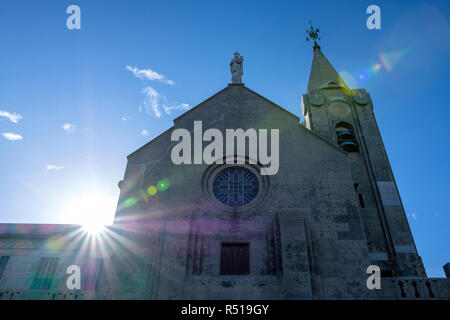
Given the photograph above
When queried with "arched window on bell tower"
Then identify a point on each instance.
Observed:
(346, 138)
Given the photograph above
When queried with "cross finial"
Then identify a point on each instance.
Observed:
(313, 34)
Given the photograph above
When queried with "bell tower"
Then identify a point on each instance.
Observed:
(345, 118)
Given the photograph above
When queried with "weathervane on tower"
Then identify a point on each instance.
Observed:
(313, 35)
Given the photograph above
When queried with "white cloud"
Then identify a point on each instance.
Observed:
(69, 128)
(413, 216)
(152, 101)
(125, 118)
(53, 167)
(12, 136)
(181, 106)
(144, 132)
(149, 74)
(13, 117)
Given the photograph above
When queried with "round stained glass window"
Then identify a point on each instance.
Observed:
(235, 186)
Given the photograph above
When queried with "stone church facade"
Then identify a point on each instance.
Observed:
(225, 230)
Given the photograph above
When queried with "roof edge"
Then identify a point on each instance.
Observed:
(36, 229)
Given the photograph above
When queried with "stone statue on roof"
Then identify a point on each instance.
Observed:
(237, 68)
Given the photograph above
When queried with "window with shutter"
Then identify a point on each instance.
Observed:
(3, 262)
(45, 274)
(235, 259)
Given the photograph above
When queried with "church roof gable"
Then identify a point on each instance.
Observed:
(227, 88)
(203, 103)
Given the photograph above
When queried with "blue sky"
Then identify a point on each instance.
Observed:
(53, 78)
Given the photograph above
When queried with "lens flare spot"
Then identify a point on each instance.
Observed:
(54, 243)
(130, 202)
(152, 190)
(144, 196)
(363, 74)
(163, 185)
(389, 59)
(348, 79)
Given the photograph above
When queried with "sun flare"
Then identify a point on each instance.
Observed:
(93, 211)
